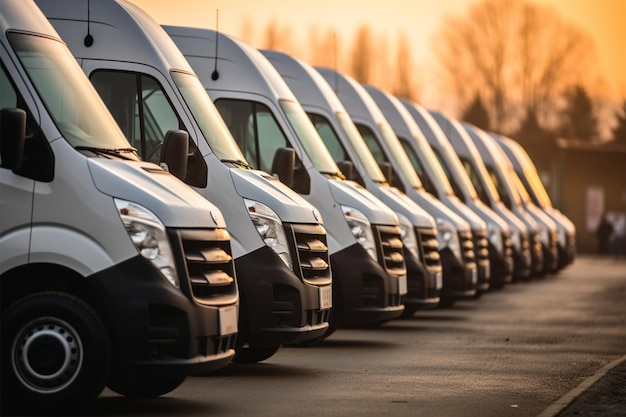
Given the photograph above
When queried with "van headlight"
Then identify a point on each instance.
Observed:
(270, 228)
(361, 230)
(149, 237)
(407, 233)
(448, 237)
(494, 234)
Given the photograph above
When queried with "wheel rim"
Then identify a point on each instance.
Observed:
(47, 355)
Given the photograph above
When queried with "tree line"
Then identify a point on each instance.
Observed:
(509, 66)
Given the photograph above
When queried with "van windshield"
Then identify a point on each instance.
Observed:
(431, 165)
(205, 113)
(361, 149)
(67, 94)
(309, 138)
(399, 156)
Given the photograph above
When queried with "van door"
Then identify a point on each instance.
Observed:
(16, 191)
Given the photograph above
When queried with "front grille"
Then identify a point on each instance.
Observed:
(507, 244)
(481, 246)
(390, 247)
(467, 247)
(311, 260)
(210, 265)
(429, 247)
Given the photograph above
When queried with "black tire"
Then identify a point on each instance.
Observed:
(55, 354)
(254, 355)
(144, 387)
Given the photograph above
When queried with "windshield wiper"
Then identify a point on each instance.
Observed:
(118, 152)
(237, 162)
(333, 174)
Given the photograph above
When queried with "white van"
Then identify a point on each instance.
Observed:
(101, 281)
(445, 179)
(550, 250)
(542, 236)
(364, 238)
(527, 172)
(332, 122)
(278, 240)
(460, 271)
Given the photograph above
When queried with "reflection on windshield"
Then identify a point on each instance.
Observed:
(457, 170)
(399, 156)
(205, 113)
(68, 95)
(358, 144)
(309, 138)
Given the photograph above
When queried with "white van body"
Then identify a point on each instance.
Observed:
(460, 271)
(447, 181)
(477, 174)
(284, 276)
(98, 281)
(264, 116)
(424, 271)
(525, 168)
(541, 236)
(551, 247)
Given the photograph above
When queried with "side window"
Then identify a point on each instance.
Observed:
(372, 143)
(140, 107)
(38, 163)
(255, 130)
(417, 166)
(328, 135)
(480, 190)
(8, 96)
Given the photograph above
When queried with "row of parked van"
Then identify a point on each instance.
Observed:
(183, 205)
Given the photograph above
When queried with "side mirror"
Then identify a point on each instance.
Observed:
(12, 137)
(387, 170)
(284, 165)
(174, 153)
(347, 169)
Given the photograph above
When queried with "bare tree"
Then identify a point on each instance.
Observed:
(277, 37)
(404, 84)
(324, 48)
(362, 55)
(519, 56)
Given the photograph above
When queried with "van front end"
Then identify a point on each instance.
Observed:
(370, 290)
(426, 293)
(160, 332)
(460, 273)
(289, 302)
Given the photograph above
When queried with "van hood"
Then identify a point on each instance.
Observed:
(171, 200)
(403, 204)
(286, 203)
(350, 193)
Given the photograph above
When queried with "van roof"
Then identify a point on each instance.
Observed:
(353, 95)
(240, 67)
(310, 88)
(24, 15)
(120, 30)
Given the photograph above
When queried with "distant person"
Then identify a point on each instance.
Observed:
(604, 233)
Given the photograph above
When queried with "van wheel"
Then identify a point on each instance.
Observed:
(254, 355)
(55, 353)
(144, 387)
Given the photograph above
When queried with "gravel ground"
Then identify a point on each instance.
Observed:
(605, 398)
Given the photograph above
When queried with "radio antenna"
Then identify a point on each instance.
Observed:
(215, 75)
(88, 39)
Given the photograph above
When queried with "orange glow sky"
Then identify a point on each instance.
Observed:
(603, 20)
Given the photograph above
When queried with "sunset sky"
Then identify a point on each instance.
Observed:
(603, 20)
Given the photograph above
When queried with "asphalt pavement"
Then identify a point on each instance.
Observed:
(601, 395)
